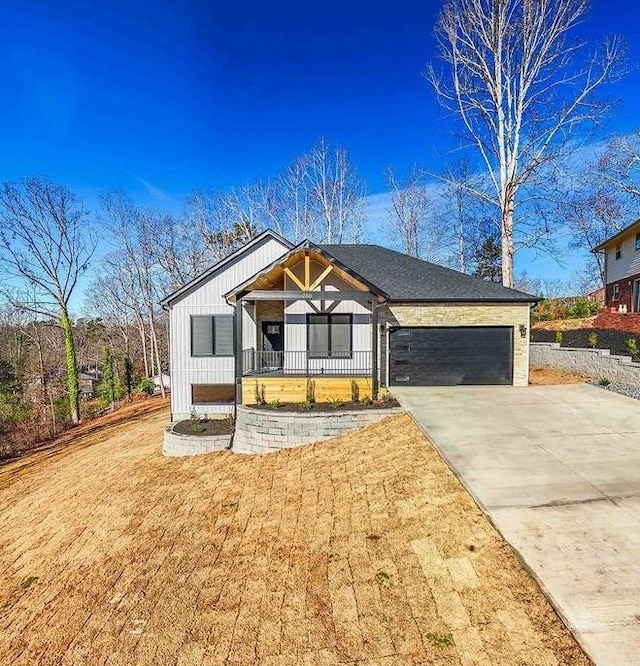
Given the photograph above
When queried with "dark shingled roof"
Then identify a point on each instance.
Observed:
(406, 278)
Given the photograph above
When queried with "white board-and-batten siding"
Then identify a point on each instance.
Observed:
(207, 298)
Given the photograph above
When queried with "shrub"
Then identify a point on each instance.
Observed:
(631, 345)
(62, 409)
(305, 405)
(603, 381)
(197, 423)
(563, 308)
(559, 337)
(336, 403)
(258, 394)
(582, 308)
(274, 404)
(311, 391)
(384, 396)
(355, 390)
(593, 340)
(366, 400)
(14, 409)
(146, 386)
(90, 408)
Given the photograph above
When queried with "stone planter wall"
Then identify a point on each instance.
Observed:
(175, 444)
(263, 431)
(594, 363)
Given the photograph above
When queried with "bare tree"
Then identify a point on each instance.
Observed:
(133, 230)
(463, 215)
(593, 214)
(337, 193)
(410, 209)
(46, 244)
(619, 166)
(520, 88)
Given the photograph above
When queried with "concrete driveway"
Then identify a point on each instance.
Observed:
(557, 468)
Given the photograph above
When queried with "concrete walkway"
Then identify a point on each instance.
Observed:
(557, 468)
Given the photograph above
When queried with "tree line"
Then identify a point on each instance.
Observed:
(79, 289)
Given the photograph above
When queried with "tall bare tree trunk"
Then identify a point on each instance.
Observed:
(156, 352)
(46, 396)
(507, 243)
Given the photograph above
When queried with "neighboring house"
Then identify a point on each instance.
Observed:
(166, 382)
(265, 320)
(88, 381)
(622, 269)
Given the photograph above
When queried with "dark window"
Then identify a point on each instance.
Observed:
(212, 335)
(329, 335)
(212, 394)
(637, 241)
(616, 292)
(618, 251)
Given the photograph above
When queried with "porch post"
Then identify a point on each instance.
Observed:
(237, 341)
(374, 348)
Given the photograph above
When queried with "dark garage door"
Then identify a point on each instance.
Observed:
(446, 356)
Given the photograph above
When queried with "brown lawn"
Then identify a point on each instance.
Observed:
(547, 376)
(363, 550)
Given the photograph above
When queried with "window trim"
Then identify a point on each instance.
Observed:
(638, 241)
(213, 335)
(618, 251)
(615, 292)
(329, 353)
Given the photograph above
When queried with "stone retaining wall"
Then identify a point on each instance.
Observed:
(596, 363)
(262, 431)
(175, 444)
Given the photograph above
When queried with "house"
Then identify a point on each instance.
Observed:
(273, 319)
(88, 381)
(622, 269)
(165, 379)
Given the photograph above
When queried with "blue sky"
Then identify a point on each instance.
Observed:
(160, 98)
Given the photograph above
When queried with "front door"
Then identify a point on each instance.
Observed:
(272, 344)
(635, 298)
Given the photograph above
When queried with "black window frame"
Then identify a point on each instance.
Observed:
(329, 353)
(212, 317)
(615, 292)
(618, 250)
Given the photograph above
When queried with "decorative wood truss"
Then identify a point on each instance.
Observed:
(307, 285)
(299, 266)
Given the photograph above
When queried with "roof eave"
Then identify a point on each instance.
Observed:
(528, 299)
(618, 236)
(267, 233)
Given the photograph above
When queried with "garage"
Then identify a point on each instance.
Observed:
(447, 356)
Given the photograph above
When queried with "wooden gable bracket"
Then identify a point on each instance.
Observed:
(321, 277)
(307, 285)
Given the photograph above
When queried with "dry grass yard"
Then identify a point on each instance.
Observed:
(548, 376)
(363, 550)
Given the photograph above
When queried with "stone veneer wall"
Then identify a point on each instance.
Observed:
(464, 314)
(175, 444)
(594, 363)
(264, 431)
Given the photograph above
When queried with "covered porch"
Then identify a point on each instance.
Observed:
(306, 318)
